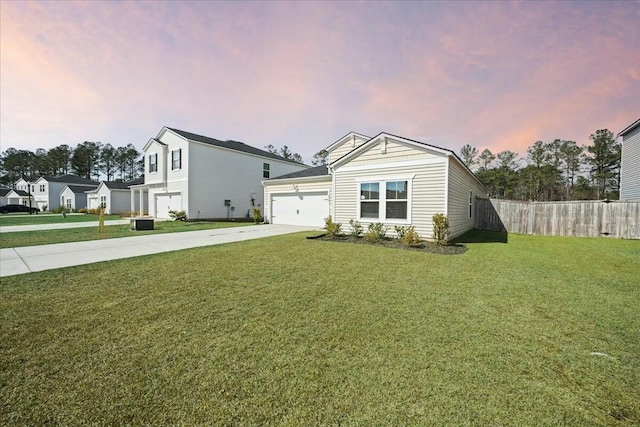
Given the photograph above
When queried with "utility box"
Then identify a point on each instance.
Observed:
(141, 224)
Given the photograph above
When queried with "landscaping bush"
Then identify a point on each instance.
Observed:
(257, 215)
(410, 237)
(61, 209)
(375, 232)
(333, 228)
(178, 215)
(356, 228)
(440, 228)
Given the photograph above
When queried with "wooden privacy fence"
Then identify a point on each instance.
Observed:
(591, 218)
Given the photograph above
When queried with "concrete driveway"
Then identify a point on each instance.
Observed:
(37, 258)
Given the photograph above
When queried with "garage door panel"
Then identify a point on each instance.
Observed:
(166, 203)
(300, 208)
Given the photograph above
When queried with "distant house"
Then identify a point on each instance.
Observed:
(3, 196)
(205, 177)
(74, 197)
(19, 197)
(387, 179)
(46, 190)
(630, 163)
(115, 197)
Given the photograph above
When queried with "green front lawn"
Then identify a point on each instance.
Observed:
(49, 218)
(288, 331)
(45, 237)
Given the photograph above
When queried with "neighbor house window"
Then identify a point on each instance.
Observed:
(103, 202)
(396, 201)
(369, 200)
(470, 204)
(42, 188)
(33, 188)
(385, 200)
(265, 170)
(153, 162)
(176, 159)
(68, 202)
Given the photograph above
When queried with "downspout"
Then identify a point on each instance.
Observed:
(332, 200)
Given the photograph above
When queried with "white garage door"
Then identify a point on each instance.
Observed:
(166, 203)
(300, 208)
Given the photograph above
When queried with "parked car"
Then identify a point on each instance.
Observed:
(18, 208)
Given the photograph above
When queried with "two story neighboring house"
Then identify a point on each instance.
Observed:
(205, 177)
(630, 162)
(388, 179)
(45, 191)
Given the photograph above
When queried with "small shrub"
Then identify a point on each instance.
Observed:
(375, 232)
(83, 210)
(61, 209)
(400, 231)
(257, 215)
(410, 237)
(356, 228)
(178, 215)
(333, 228)
(440, 228)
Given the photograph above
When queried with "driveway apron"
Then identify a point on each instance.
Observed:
(37, 258)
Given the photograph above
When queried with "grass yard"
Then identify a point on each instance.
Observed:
(289, 331)
(45, 237)
(49, 218)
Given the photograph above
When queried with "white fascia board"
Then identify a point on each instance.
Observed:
(317, 178)
(377, 138)
(345, 138)
(151, 142)
(382, 166)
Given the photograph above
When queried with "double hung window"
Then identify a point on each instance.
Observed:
(390, 204)
(153, 162)
(265, 170)
(176, 159)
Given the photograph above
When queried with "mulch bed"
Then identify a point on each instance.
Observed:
(430, 247)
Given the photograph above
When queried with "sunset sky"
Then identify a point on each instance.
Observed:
(497, 75)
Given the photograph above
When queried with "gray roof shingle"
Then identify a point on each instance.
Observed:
(231, 145)
(81, 188)
(70, 179)
(317, 171)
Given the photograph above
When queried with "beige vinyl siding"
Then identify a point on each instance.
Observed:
(395, 152)
(427, 193)
(271, 188)
(630, 169)
(346, 146)
(460, 183)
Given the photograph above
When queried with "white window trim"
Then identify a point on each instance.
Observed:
(382, 206)
(156, 163)
(180, 167)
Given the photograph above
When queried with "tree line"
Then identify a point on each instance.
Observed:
(550, 171)
(89, 160)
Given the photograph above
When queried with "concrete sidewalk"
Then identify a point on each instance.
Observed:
(60, 225)
(37, 258)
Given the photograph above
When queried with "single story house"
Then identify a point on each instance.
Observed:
(205, 177)
(74, 197)
(115, 197)
(630, 162)
(389, 179)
